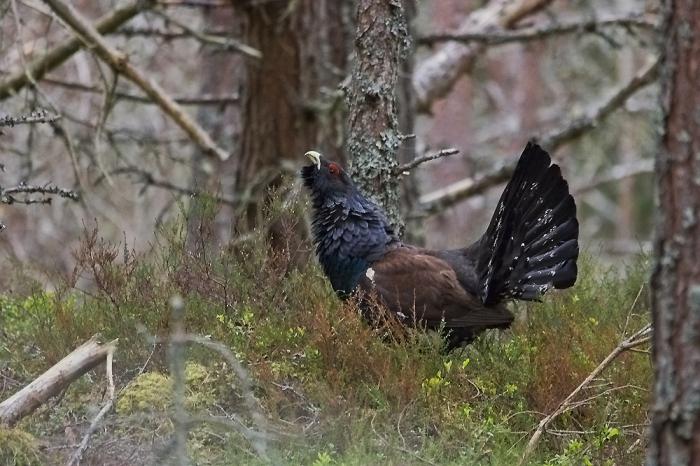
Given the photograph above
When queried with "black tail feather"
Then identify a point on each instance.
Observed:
(531, 243)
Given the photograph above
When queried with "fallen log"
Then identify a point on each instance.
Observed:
(52, 382)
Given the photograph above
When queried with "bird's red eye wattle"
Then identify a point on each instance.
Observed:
(334, 169)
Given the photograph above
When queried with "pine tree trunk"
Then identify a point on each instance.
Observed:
(675, 427)
(288, 98)
(373, 127)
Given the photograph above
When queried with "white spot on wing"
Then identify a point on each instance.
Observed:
(370, 274)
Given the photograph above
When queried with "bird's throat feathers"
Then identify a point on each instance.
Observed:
(350, 232)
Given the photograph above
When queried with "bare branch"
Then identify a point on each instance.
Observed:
(448, 196)
(120, 63)
(617, 173)
(63, 51)
(227, 43)
(148, 179)
(197, 3)
(78, 453)
(197, 100)
(577, 127)
(37, 116)
(405, 168)
(7, 195)
(637, 339)
(434, 77)
(53, 381)
(543, 31)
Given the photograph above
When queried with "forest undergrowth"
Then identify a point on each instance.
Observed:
(320, 386)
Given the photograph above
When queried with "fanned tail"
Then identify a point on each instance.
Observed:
(531, 244)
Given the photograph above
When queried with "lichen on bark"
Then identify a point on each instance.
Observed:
(373, 128)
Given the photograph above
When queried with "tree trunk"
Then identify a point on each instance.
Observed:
(675, 427)
(373, 128)
(289, 102)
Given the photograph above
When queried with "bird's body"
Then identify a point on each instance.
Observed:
(530, 245)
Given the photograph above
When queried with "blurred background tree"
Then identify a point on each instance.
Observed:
(266, 81)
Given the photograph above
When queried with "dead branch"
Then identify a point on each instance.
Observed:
(577, 127)
(8, 195)
(120, 63)
(543, 31)
(78, 453)
(639, 338)
(227, 43)
(405, 168)
(37, 116)
(454, 193)
(55, 380)
(196, 100)
(181, 419)
(197, 3)
(148, 179)
(63, 51)
(617, 173)
(164, 33)
(434, 77)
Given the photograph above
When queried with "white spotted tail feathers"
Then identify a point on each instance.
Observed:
(531, 244)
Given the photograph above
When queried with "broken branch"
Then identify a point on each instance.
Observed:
(55, 380)
(639, 338)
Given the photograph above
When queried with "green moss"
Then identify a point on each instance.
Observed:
(323, 376)
(201, 386)
(150, 391)
(18, 448)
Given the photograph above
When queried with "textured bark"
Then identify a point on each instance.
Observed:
(675, 428)
(287, 102)
(373, 127)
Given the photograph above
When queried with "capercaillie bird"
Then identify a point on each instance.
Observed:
(529, 247)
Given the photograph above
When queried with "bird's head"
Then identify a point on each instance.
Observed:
(325, 178)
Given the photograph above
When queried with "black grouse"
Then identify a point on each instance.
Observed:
(530, 246)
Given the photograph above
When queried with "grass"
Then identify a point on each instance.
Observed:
(333, 390)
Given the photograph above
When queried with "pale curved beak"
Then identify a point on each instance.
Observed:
(315, 158)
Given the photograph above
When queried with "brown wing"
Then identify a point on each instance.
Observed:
(411, 282)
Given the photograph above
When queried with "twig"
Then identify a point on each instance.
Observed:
(448, 196)
(197, 100)
(177, 370)
(577, 127)
(148, 179)
(639, 338)
(120, 63)
(405, 168)
(228, 43)
(539, 32)
(617, 173)
(259, 442)
(37, 116)
(78, 454)
(197, 3)
(63, 51)
(7, 195)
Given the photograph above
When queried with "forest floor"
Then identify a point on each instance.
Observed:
(322, 388)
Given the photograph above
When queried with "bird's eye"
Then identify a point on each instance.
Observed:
(334, 169)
